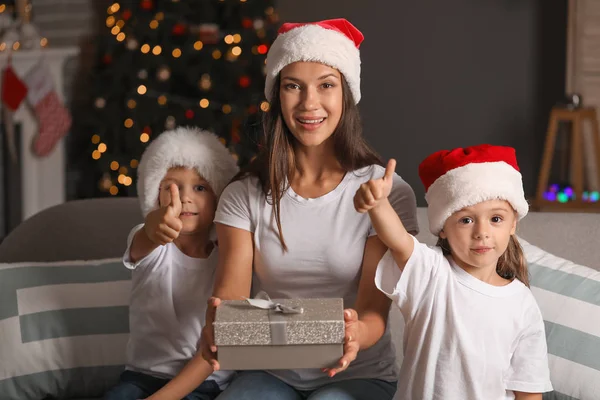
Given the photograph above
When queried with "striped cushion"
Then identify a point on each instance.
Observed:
(569, 297)
(64, 328)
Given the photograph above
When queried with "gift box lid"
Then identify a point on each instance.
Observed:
(238, 323)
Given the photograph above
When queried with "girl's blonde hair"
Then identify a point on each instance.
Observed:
(512, 264)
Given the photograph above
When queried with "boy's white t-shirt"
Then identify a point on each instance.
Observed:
(167, 310)
(326, 239)
(464, 338)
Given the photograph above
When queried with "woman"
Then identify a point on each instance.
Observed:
(287, 224)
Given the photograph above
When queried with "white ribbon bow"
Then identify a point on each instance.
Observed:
(263, 301)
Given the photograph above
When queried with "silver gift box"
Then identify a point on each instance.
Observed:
(253, 338)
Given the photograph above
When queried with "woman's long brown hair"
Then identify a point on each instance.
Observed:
(275, 164)
(512, 264)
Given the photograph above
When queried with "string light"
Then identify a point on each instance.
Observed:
(565, 193)
(114, 8)
(105, 182)
(164, 73)
(170, 122)
(132, 44)
(120, 24)
(262, 49)
(205, 82)
(100, 102)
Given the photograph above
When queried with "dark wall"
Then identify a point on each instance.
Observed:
(441, 74)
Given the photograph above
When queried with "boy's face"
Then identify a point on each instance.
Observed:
(198, 201)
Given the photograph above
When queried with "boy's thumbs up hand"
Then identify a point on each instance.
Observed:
(174, 208)
(163, 224)
(371, 193)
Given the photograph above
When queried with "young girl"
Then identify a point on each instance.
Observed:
(173, 258)
(286, 225)
(473, 329)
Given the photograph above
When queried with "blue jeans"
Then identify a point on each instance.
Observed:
(259, 385)
(135, 385)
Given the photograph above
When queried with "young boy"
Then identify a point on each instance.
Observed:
(180, 177)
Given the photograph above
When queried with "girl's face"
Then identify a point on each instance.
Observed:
(311, 101)
(198, 201)
(478, 235)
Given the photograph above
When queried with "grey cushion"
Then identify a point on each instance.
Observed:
(77, 230)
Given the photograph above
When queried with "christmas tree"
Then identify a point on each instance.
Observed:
(167, 63)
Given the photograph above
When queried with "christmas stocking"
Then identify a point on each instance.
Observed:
(53, 118)
(13, 89)
(13, 93)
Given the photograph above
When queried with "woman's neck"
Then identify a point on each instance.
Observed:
(197, 244)
(317, 171)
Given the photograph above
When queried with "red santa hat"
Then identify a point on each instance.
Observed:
(459, 178)
(332, 42)
(183, 147)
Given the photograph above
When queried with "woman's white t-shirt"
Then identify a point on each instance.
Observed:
(464, 338)
(326, 239)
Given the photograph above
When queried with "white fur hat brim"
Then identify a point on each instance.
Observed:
(317, 44)
(183, 147)
(472, 184)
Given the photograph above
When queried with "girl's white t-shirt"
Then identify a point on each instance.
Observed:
(464, 338)
(326, 239)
